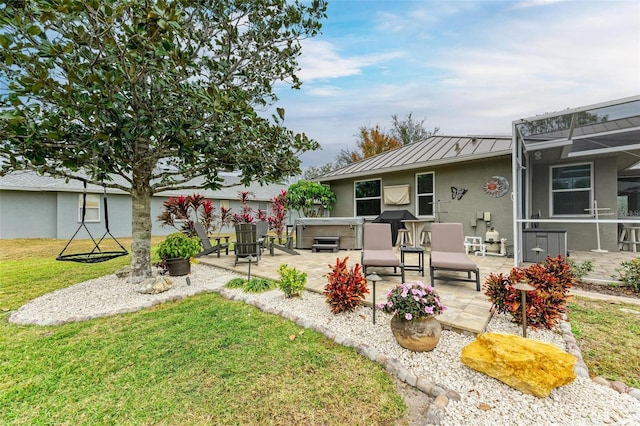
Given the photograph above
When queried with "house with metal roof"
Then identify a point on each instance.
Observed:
(462, 179)
(35, 206)
(562, 181)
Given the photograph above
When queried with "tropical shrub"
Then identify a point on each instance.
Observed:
(247, 213)
(278, 213)
(258, 285)
(236, 283)
(579, 270)
(181, 212)
(312, 198)
(546, 304)
(292, 281)
(346, 287)
(629, 273)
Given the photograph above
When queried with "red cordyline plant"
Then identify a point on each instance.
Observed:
(225, 218)
(279, 213)
(546, 304)
(246, 214)
(346, 287)
(183, 210)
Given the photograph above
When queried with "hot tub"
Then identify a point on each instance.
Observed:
(349, 229)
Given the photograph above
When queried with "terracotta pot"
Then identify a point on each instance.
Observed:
(178, 266)
(417, 335)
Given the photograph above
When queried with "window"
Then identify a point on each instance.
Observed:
(629, 196)
(368, 197)
(224, 203)
(571, 190)
(93, 208)
(425, 194)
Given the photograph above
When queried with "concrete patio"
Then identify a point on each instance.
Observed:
(468, 310)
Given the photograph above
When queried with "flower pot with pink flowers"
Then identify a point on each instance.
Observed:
(414, 307)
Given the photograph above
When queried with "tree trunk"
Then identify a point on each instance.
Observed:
(141, 230)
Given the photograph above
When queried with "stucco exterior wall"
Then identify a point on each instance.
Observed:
(470, 176)
(581, 237)
(27, 214)
(40, 214)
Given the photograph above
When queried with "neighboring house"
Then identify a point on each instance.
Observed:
(443, 178)
(569, 162)
(563, 165)
(34, 206)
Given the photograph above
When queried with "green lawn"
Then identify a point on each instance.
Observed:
(609, 336)
(203, 360)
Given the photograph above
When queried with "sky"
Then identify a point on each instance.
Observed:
(467, 67)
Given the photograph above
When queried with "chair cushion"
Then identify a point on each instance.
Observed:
(379, 258)
(449, 260)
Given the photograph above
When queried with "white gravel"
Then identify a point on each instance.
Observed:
(583, 402)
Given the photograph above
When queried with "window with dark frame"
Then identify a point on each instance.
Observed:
(368, 197)
(425, 193)
(571, 190)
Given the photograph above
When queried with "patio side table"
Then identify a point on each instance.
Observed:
(410, 249)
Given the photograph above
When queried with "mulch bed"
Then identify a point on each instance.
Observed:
(614, 290)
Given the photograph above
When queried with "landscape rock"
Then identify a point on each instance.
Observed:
(619, 387)
(123, 272)
(531, 366)
(601, 381)
(155, 285)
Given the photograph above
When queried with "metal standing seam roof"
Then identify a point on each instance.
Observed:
(433, 151)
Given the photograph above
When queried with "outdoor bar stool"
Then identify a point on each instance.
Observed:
(404, 238)
(629, 237)
(425, 237)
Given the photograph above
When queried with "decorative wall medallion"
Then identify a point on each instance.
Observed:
(496, 186)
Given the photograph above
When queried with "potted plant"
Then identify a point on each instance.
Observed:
(177, 250)
(413, 324)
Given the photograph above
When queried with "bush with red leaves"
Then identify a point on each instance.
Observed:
(346, 287)
(546, 304)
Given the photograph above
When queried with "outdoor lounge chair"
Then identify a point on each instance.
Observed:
(247, 245)
(377, 248)
(208, 248)
(448, 254)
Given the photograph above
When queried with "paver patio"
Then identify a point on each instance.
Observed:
(468, 310)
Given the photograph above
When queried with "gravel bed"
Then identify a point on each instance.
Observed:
(474, 398)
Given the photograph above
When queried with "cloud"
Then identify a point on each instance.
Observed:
(480, 70)
(535, 3)
(321, 60)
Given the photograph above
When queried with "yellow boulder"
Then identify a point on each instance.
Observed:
(528, 365)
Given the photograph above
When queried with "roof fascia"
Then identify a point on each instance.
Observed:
(415, 166)
(578, 109)
(603, 151)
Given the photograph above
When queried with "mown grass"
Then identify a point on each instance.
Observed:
(609, 336)
(28, 269)
(203, 360)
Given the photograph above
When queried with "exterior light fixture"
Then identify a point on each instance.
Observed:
(250, 259)
(374, 278)
(524, 287)
(538, 250)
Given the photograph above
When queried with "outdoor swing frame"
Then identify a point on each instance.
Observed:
(96, 255)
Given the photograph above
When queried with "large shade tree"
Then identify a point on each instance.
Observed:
(112, 90)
